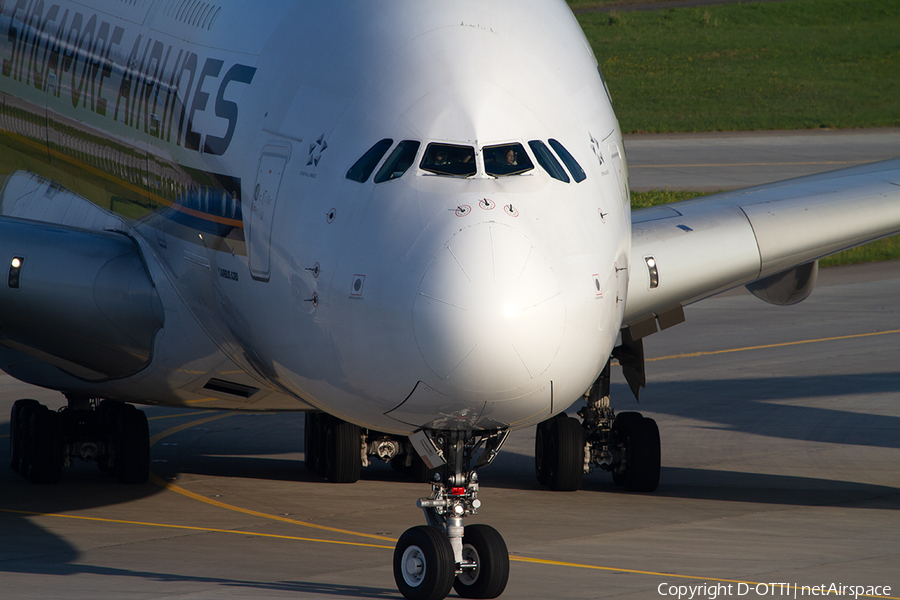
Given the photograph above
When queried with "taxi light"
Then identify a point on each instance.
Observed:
(15, 270)
(653, 271)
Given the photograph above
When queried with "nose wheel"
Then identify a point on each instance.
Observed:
(423, 563)
(431, 559)
(483, 546)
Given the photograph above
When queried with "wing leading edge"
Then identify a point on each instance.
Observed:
(686, 251)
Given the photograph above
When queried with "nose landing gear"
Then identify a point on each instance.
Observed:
(431, 559)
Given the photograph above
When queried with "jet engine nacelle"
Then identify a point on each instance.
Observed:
(80, 300)
(788, 287)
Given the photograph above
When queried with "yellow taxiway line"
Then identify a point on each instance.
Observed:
(767, 346)
(513, 558)
(522, 559)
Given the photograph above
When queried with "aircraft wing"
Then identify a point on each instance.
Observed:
(768, 236)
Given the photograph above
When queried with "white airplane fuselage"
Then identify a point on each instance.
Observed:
(222, 140)
(410, 218)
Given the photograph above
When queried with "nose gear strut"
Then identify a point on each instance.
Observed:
(430, 560)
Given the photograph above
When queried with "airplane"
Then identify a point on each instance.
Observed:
(409, 220)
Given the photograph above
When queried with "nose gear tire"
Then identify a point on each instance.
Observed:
(424, 568)
(483, 545)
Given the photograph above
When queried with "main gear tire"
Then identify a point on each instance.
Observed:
(566, 454)
(343, 454)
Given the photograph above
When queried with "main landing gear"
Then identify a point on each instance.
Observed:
(431, 559)
(333, 448)
(337, 450)
(627, 445)
(112, 434)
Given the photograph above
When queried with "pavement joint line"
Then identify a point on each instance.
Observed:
(768, 346)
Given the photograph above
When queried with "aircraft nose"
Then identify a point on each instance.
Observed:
(489, 314)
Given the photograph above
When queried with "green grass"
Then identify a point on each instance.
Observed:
(783, 65)
(588, 4)
(654, 198)
(886, 249)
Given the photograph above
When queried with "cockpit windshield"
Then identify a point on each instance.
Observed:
(400, 160)
(506, 159)
(456, 160)
(447, 159)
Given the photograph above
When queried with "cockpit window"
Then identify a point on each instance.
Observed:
(547, 161)
(362, 169)
(569, 160)
(399, 161)
(507, 159)
(448, 159)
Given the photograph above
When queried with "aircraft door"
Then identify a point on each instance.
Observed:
(262, 209)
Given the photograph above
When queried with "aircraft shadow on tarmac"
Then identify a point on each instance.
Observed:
(65, 565)
(29, 548)
(515, 471)
(254, 447)
(753, 406)
(738, 405)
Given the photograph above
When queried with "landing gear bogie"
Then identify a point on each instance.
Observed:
(337, 450)
(625, 444)
(113, 434)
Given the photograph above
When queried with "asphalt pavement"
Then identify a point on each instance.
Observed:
(719, 161)
(780, 431)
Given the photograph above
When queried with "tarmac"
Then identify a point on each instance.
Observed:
(780, 431)
(717, 161)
